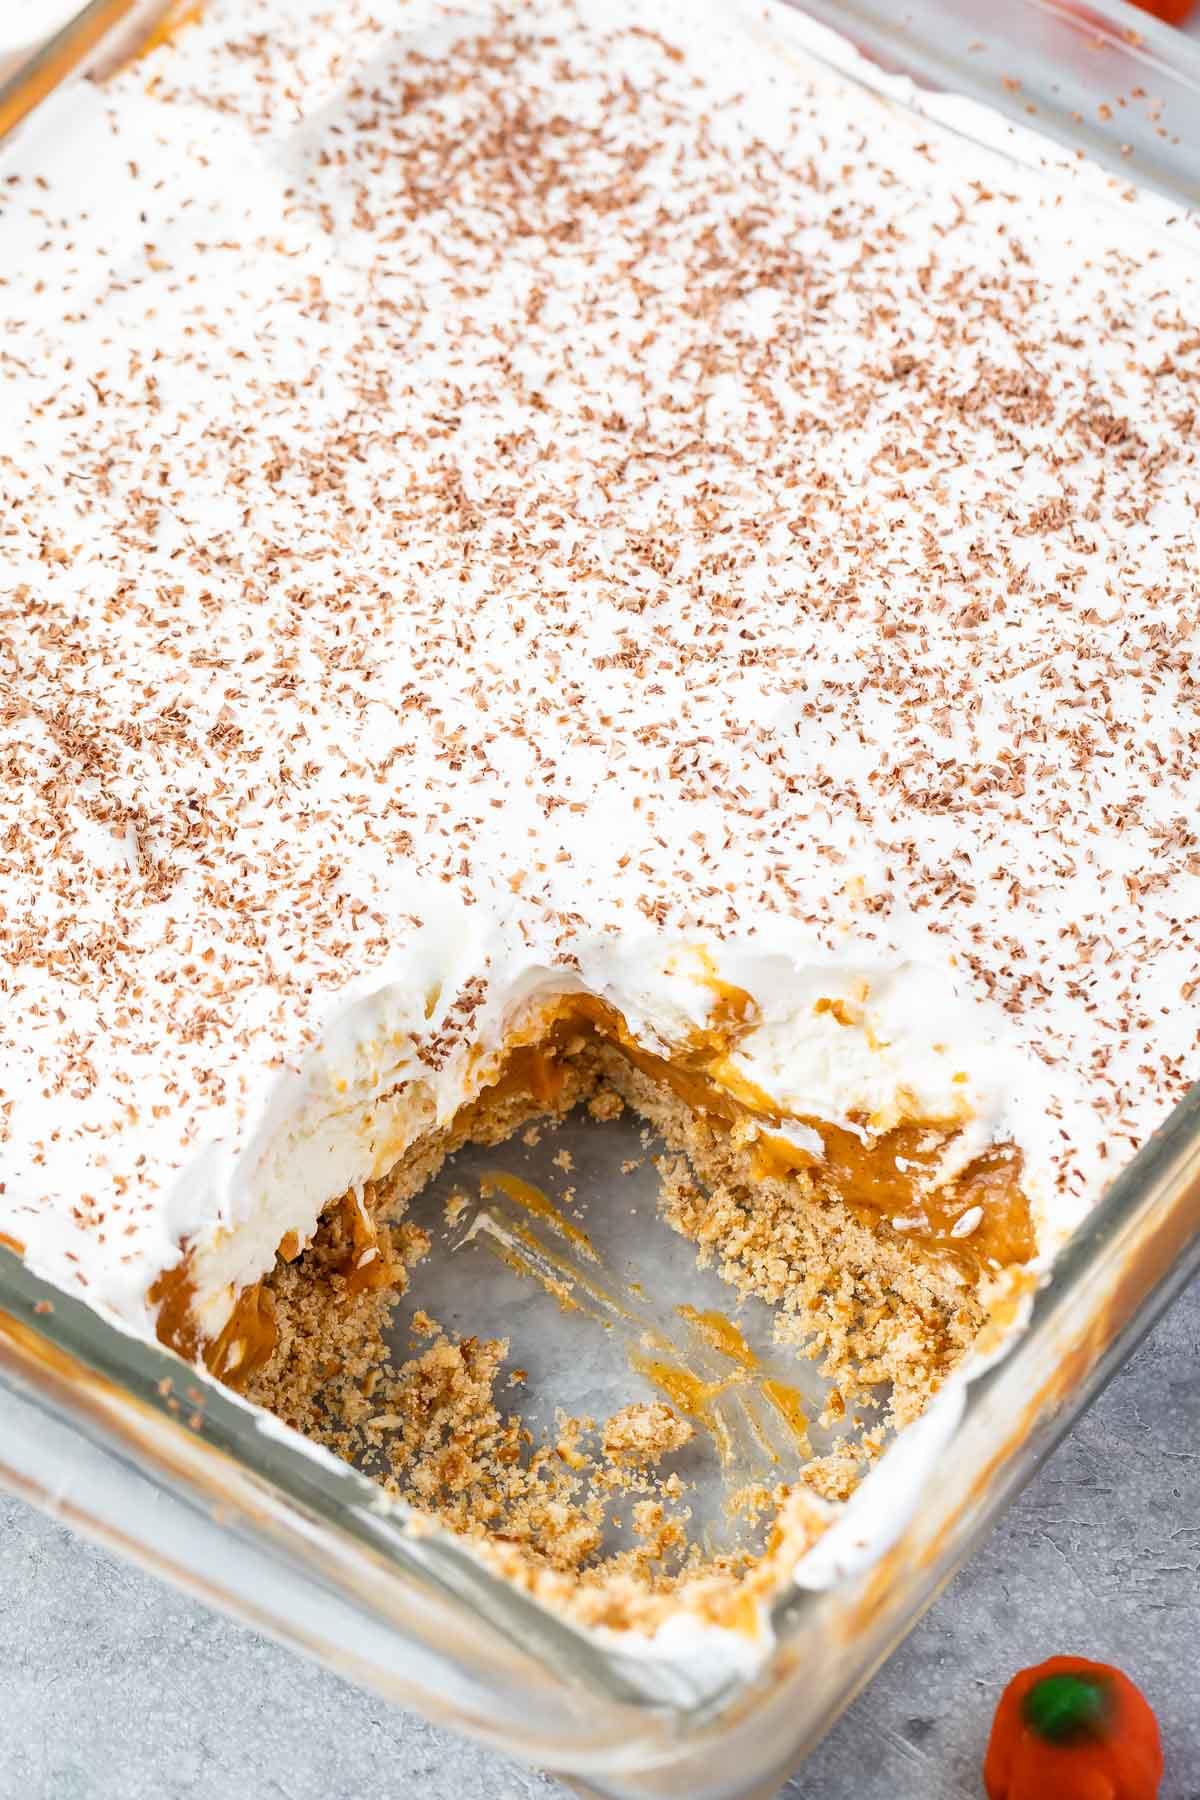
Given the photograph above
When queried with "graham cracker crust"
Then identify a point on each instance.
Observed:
(441, 1430)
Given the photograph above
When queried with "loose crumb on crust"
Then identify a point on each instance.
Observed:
(643, 1432)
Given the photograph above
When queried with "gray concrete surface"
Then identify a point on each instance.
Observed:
(114, 1688)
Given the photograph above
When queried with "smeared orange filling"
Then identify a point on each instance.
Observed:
(720, 1334)
(246, 1342)
(690, 1394)
(524, 1194)
(881, 1178)
(696, 1396)
(367, 1264)
(787, 1402)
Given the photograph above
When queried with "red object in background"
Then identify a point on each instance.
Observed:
(1175, 12)
(1073, 1730)
(1172, 12)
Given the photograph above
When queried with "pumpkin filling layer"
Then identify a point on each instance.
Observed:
(848, 1287)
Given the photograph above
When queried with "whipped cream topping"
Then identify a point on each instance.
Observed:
(577, 503)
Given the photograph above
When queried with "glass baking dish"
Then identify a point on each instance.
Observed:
(44, 45)
(127, 1444)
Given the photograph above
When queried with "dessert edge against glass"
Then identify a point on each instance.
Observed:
(572, 564)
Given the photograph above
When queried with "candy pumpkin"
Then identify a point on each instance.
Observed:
(1072, 1730)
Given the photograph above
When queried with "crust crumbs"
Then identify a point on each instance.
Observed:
(438, 1430)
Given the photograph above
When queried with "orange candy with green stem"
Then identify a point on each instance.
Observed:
(1072, 1730)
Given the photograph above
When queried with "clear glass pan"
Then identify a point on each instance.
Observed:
(126, 1444)
(1105, 81)
(93, 40)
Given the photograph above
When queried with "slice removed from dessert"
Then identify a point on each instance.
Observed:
(878, 1242)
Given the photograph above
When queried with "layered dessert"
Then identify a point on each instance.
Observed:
(570, 561)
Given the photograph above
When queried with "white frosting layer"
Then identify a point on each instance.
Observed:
(487, 523)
